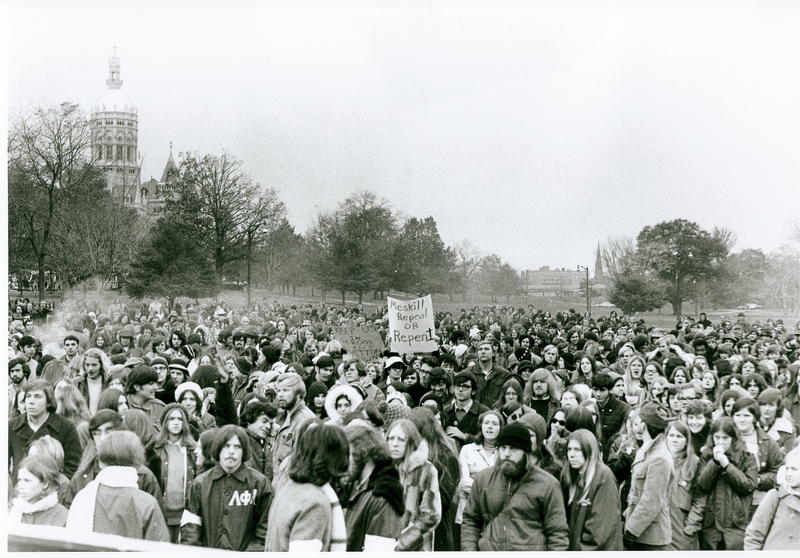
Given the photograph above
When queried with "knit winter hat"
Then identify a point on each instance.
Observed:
(315, 389)
(515, 435)
(243, 365)
(158, 360)
(179, 364)
(459, 378)
(271, 354)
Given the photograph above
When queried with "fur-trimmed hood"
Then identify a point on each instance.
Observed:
(334, 393)
(416, 458)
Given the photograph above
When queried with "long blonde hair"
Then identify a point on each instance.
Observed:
(580, 480)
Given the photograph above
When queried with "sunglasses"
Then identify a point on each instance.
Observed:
(556, 421)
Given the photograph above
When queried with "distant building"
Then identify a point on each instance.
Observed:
(598, 266)
(555, 282)
(115, 138)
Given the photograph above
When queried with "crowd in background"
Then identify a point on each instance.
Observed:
(254, 429)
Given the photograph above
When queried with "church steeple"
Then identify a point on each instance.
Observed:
(598, 265)
(113, 80)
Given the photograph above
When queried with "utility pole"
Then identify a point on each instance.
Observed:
(586, 269)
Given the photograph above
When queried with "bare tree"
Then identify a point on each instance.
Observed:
(619, 255)
(468, 262)
(49, 156)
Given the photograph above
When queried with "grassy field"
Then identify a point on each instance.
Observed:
(441, 303)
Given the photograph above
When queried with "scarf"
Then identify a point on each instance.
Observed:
(20, 507)
(81, 513)
(338, 529)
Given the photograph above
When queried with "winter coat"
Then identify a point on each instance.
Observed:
(687, 506)
(147, 483)
(469, 424)
(300, 512)
(260, 455)
(769, 461)
(729, 489)
(472, 460)
(612, 416)
(375, 511)
(153, 408)
(421, 498)
(595, 521)
(783, 432)
(489, 387)
(113, 504)
(46, 511)
(21, 437)
(647, 516)
(283, 441)
(190, 471)
(506, 515)
(227, 511)
(775, 524)
(448, 472)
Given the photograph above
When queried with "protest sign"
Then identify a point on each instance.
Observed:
(363, 342)
(411, 326)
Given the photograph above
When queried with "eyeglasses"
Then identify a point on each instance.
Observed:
(556, 421)
(463, 387)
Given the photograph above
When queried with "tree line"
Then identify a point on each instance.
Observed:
(220, 227)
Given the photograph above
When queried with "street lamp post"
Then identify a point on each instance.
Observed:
(586, 269)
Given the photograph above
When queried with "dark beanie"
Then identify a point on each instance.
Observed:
(306, 361)
(244, 365)
(205, 376)
(515, 435)
(104, 416)
(118, 358)
(317, 388)
(271, 354)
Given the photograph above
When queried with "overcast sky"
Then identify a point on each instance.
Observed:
(534, 129)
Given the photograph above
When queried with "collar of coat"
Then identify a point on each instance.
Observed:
(54, 423)
(417, 458)
(239, 474)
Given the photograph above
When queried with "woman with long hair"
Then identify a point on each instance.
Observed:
(420, 486)
(71, 405)
(512, 392)
(175, 446)
(36, 502)
(698, 418)
(746, 415)
(112, 398)
(140, 424)
(443, 454)
(586, 369)
(687, 503)
(729, 475)
(623, 451)
(476, 457)
(634, 389)
(590, 496)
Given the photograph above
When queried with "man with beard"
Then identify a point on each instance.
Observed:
(543, 400)
(375, 509)
(228, 505)
(18, 373)
(514, 505)
(490, 376)
(291, 392)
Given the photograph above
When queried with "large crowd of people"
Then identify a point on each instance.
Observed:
(254, 429)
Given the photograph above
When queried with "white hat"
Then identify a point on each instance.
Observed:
(189, 386)
(394, 360)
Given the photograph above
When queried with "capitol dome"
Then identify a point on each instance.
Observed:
(114, 100)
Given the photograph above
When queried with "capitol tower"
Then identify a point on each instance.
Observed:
(115, 127)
